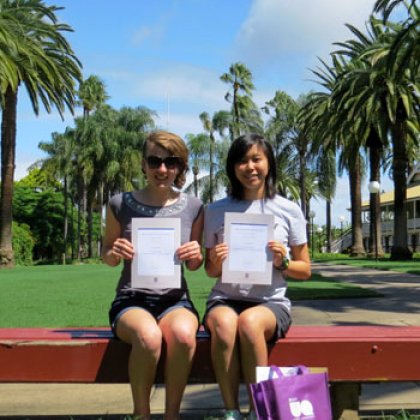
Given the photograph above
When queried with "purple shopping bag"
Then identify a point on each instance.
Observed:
(296, 397)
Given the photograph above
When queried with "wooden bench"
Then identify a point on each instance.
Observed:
(352, 354)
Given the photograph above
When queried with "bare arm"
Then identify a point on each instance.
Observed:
(300, 264)
(190, 252)
(115, 247)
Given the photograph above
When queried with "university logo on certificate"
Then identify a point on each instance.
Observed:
(155, 240)
(249, 259)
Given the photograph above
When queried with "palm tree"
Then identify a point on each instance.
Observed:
(198, 146)
(59, 164)
(219, 122)
(405, 50)
(111, 142)
(92, 94)
(366, 132)
(387, 6)
(279, 130)
(39, 57)
(240, 79)
(329, 131)
(390, 104)
(283, 128)
(327, 182)
(132, 127)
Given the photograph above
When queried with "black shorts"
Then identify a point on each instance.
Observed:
(156, 305)
(283, 318)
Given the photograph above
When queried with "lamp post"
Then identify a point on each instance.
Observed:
(312, 216)
(342, 220)
(319, 231)
(374, 188)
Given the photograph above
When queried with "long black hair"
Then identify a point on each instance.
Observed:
(237, 151)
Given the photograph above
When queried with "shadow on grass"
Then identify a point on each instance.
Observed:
(320, 287)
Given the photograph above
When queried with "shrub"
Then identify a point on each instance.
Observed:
(23, 244)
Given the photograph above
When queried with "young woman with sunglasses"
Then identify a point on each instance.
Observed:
(242, 318)
(147, 318)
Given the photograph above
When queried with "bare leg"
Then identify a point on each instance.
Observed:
(179, 329)
(256, 325)
(222, 322)
(138, 328)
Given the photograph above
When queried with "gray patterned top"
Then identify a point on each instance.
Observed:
(125, 206)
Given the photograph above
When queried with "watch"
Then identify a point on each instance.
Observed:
(284, 264)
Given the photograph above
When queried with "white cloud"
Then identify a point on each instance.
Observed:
(184, 84)
(180, 123)
(276, 29)
(148, 33)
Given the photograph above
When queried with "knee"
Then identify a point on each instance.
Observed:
(223, 328)
(184, 335)
(151, 339)
(249, 328)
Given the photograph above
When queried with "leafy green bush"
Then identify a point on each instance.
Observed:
(23, 243)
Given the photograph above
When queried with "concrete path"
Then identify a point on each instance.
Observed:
(399, 306)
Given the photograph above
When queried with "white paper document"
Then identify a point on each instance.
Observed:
(249, 260)
(155, 241)
(248, 244)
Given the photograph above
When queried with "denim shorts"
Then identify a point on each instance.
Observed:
(283, 318)
(157, 305)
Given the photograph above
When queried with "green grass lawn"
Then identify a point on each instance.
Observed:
(80, 295)
(411, 266)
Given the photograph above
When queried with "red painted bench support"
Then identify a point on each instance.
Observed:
(352, 355)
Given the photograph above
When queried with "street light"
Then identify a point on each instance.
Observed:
(319, 231)
(374, 188)
(312, 216)
(342, 220)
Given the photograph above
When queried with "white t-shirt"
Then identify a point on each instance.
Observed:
(289, 229)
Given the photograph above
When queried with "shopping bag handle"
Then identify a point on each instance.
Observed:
(301, 369)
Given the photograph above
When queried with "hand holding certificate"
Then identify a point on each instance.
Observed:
(249, 259)
(155, 241)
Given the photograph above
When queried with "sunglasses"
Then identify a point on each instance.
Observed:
(171, 162)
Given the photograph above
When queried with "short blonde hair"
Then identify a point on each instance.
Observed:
(175, 146)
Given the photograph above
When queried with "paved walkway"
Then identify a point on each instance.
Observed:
(399, 306)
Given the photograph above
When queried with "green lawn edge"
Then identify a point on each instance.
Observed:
(80, 295)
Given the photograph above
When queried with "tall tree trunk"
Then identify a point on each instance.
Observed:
(400, 250)
(328, 225)
(211, 174)
(236, 131)
(8, 153)
(72, 227)
(195, 183)
(101, 205)
(90, 195)
(66, 221)
(375, 228)
(357, 248)
(90, 228)
(80, 190)
(303, 205)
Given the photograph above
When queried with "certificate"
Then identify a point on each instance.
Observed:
(155, 240)
(249, 259)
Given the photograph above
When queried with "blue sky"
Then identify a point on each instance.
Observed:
(168, 55)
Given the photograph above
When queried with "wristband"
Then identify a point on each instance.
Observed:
(284, 264)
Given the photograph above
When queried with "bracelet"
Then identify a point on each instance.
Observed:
(284, 264)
